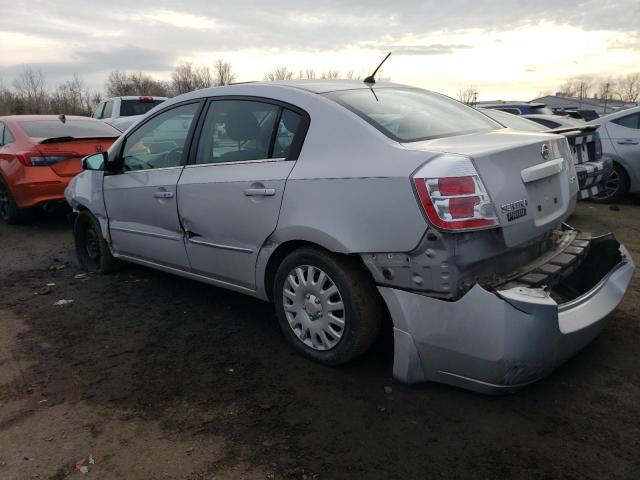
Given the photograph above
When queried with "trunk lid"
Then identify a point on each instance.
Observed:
(72, 152)
(530, 177)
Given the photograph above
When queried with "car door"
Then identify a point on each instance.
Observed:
(140, 198)
(624, 133)
(229, 195)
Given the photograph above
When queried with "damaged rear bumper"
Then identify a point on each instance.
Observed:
(498, 340)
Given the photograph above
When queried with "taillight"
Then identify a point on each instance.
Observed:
(34, 158)
(598, 144)
(452, 194)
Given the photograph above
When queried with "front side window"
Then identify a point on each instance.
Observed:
(629, 121)
(237, 130)
(159, 142)
(409, 115)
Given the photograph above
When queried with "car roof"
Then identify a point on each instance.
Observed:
(617, 114)
(135, 97)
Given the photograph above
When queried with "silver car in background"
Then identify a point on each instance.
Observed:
(343, 202)
(620, 134)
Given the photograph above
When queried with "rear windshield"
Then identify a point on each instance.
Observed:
(513, 121)
(409, 115)
(540, 110)
(71, 128)
(129, 108)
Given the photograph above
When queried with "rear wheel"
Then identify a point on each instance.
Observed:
(91, 248)
(616, 186)
(9, 211)
(328, 307)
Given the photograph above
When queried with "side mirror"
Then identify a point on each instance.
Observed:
(97, 161)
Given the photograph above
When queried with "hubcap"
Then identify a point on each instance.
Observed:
(611, 185)
(91, 244)
(313, 307)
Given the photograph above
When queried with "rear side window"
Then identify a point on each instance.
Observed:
(290, 123)
(629, 121)
(238, 130)
(70, 128)
(128, 108)
(108, 109)
(98, 112)
(7, 136)
(409, 115)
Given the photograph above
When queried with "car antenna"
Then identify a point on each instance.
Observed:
(371, 78)
(62, 117)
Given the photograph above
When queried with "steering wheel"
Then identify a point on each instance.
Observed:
(173, 157)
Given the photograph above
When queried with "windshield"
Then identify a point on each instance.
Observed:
(128, 108)
(409, 115)
(71, 128)
(513, 121)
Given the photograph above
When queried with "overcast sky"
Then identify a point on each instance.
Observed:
(506, 49)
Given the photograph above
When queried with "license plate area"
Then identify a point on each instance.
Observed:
(546, 198)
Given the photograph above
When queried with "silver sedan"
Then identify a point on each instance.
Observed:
(343, 202)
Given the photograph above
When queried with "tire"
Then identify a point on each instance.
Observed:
(9, 211)
(313, 327)
(616, 186)
(91, 248)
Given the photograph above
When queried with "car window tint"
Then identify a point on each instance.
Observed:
(159, 142)
(98, 111)
(545, 122)
(237, 130)
(409, 115)
(287, 129)
(7, 136)
(129, 108)
(629, 121)
(108, 109)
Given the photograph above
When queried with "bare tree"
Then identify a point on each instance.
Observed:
(352, 76)
(137, 83)
(223, 73)
(30, 87)
(629, 88)
(468, 95)
(577, 87)
(279, 73)
(330, 75)
(307, 74)
(187, 78)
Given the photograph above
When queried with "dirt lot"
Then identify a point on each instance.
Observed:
(159, 377)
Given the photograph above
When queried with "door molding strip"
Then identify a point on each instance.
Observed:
(147, 234)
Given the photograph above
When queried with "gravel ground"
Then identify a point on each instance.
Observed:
(158, 377)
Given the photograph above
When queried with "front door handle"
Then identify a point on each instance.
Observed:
(628, 142)
(161, 194)
(260, 192)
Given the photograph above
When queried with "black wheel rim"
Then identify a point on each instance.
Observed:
(92, 244)
(611, 185)
(4, 201)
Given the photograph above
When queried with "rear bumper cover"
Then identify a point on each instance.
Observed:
(498, 342)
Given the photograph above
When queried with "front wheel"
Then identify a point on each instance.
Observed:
(92, 249)
(327, 306)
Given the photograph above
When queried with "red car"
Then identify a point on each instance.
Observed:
(40, 154)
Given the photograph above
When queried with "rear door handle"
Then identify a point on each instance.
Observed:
(161, 194)
(260, 192)
(628, 142)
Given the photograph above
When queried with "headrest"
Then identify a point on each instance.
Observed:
(241, 125)
(291, 121)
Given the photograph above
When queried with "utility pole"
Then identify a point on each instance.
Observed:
(475, 98)
(606, 96)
